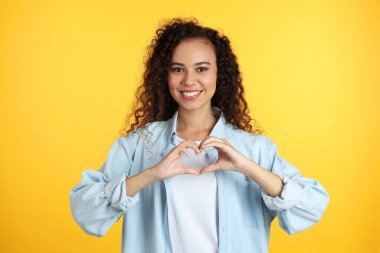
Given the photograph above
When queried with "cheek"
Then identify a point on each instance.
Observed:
(173, 87)
(209, 82)
(172, 81)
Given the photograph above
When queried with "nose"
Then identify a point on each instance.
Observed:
(189, 78)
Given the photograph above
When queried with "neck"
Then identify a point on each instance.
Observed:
(195, 120)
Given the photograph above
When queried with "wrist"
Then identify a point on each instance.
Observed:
(246, 167)
(151, 175)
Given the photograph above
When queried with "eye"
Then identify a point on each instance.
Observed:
(202, 69)
(176, 69)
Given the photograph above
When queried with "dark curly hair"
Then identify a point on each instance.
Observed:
(153, 99)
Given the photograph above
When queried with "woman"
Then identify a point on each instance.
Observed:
(194, 176)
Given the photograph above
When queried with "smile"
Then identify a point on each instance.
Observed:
(190, 95)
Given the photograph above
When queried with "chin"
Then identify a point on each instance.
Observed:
(192, 107)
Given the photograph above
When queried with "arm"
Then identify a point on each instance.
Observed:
(299, 202)
(270, 182)
(135, 183)
(99, 200)
(166, 168)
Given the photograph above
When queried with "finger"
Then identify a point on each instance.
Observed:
(190, 144)
(208, 168)
(217, 141)
(193, 145)
(183, 150)
(181, 154)
(205, 140)
(189, 170)
(186, 152)
(210, 140)
(214, 144)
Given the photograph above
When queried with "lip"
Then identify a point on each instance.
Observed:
(191, 98)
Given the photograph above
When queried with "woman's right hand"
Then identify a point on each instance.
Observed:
(171, 165)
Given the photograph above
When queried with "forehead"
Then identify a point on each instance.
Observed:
(194, 49)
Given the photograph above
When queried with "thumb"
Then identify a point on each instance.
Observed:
(189, 170)
(209, 168)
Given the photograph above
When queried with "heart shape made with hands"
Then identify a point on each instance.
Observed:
(227, 156)
(195, 160)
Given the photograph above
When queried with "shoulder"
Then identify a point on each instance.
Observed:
(253, 145)
(248, 138)
(257, 147)
(149, 131)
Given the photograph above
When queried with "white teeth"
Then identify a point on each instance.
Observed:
(191, 94)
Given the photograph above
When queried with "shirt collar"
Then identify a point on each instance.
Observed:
(217, 131)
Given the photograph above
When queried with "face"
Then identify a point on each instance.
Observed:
(192, 74)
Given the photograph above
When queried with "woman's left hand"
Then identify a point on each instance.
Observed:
(228, 157)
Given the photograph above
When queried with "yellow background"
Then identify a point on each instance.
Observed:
(69, 70)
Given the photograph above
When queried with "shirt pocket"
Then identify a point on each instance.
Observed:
(250, 204)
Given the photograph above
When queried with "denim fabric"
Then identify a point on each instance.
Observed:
(245, 210)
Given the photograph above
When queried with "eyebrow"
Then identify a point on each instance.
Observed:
(197, 64)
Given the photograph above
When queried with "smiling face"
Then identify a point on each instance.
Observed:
(193, 69)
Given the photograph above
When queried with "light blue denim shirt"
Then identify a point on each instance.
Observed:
(245, 211)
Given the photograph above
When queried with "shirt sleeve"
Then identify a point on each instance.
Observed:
(302, 200)
(100, 199)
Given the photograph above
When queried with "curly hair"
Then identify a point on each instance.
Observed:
(153, 99)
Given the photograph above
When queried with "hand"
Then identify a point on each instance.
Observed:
(228, 157)
(171, 165)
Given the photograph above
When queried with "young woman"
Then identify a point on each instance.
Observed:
(194, 176)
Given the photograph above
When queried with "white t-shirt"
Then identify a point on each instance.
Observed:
(192, 207)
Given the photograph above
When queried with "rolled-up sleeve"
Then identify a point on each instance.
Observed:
(100, 199)
(302, 200)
